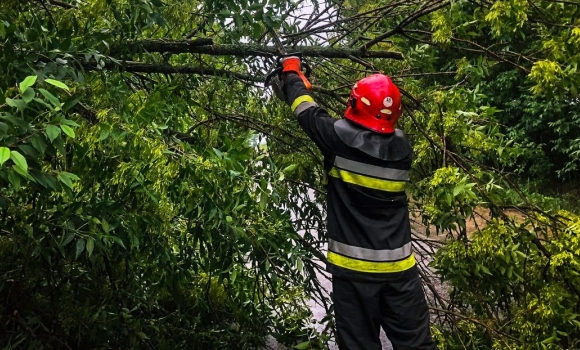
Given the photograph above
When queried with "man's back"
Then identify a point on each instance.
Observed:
(374, 274)
(368, 224)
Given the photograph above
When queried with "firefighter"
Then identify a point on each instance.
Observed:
(375, 280)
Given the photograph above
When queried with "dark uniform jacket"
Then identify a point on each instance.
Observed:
(369, 236)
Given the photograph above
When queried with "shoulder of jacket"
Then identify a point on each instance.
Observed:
(392, 147)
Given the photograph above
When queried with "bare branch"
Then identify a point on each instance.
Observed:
(61, 4)
(418, 14)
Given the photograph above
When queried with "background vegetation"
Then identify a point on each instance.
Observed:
(154, 195)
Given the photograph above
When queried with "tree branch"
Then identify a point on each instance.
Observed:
(138, 67)
(402, 24)
(150, 68)
(61, 4)
(203, 46)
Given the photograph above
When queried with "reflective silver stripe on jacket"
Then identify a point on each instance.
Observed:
(304, 106)
(371, 170)
(370, 254)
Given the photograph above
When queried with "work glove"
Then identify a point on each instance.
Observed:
(293, 64)
(286, 65)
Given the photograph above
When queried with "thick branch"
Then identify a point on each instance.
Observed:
(138, 67)
(243, 50)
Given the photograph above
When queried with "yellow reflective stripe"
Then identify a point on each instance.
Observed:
(367, 181)
(371, 170)
(371, 266)
(301, 99)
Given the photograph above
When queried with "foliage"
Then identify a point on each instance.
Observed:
(521, 289)
(125, 224)
(147, 249)
(154, 195)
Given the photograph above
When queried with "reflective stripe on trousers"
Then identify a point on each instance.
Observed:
(370, 260)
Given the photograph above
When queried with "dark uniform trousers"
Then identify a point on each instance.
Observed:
(399, 306)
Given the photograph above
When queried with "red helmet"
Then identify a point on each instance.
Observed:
(375, 103)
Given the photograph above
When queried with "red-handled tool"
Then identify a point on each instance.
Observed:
(287, 63)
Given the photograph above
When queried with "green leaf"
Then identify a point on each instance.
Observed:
(218, 153)
(14, 179)
(66, 239)
(46, 181)
(57, 83)
(90, 245)
(142, 335)
(28, 95)
(27, 82)
(233, 276)
(256, 28)
(105, 225)
(20, 104)
(104, 135)
(256, 6)
(29, 151)
(52, 132)
(22, 172)
(238, 20)
(289, 169)
(485, 270)
(134, 241)
(268, 21)
(42, 102)
(14, 120)
(70, 175)
(4, 154)
(38, 143)
(69, 122)
(118, 240)
(68, 130)
(263, 200)
(80, 247)
(50, 97)
(67, 178)
(302, 346)
(19, 160)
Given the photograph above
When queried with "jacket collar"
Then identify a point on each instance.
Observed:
(390, 147)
